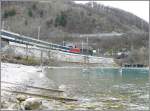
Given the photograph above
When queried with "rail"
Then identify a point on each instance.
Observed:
(15, 37)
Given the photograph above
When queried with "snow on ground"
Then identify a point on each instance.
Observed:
(20, 50)
(23, 74)
(16, 72)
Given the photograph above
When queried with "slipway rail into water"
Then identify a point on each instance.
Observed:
(41, 96)
(52, 90)
(38, 95)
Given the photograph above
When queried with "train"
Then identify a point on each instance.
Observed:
(75, 50)
(69, 49)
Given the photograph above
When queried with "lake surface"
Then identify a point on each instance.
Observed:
(110, 89)
(104, 88)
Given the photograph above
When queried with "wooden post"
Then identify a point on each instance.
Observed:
(49, 56)
(2, 25)
(84, 60)
(87, 40)
(87, 59)
(98, 52)
(39, 29)
(82, 46)
(26, 51)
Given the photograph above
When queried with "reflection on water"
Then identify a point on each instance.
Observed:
(114, 88)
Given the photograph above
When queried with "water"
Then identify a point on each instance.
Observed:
(104, 88)
(94, 88)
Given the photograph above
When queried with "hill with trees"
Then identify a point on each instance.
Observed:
(60, 19)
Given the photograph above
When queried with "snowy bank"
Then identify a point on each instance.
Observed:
(23, 76)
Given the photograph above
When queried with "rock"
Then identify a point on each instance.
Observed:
(9, 105)
(62, 87)
(14, 106)
(39, 71)
(21, 98)
(89, 105)
(4, 104)
(32, 104)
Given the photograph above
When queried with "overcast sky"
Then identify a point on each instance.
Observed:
(138, 8)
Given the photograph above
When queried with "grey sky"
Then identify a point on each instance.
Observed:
(138, 8)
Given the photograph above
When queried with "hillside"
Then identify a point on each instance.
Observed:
(59, 20)
(58, 17)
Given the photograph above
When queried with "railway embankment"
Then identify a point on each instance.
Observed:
(31, 55)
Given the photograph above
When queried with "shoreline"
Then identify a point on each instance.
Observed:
(74, 66)
(15, 82)
(35, 76)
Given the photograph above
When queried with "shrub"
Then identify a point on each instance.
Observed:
(61, 20)
(26, 22)
(41, 13)
(34, 7)
(30, 13)
(68, 38)
(9, 13)
(30, 61)
(49, 22)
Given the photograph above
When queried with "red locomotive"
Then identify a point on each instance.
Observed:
(74, 50)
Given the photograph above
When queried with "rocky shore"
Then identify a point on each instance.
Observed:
(34, 76)
(24, 75)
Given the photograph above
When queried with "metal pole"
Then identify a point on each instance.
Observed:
(63, 43)
(41, 57)
(0, 46)
(87, 44)
(39, 32)
(3, 25)
(92, 3)
(82, 46)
